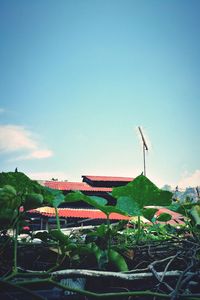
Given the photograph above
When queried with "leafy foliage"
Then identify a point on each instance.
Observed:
(22, 183)
(33, 201)
(97, 202)
(189, 210)
(54, 197)
(139, 193)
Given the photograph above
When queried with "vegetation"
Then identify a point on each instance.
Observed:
(149, 260)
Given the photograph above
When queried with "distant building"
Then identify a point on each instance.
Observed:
(92, 186)
(77, 213)
(80, 212)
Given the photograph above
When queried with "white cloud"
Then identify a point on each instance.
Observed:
(41, 154)
(13, 138)
(17, 138)
(190, 180)
(38, 154)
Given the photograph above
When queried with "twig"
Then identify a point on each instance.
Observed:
(98, 295)
(159, 277)
(117, 275)
(185, 272)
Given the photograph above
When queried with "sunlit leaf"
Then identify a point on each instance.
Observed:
(144, 192)
(129, 206)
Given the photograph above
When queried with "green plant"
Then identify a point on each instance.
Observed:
(191, 211)
(104, 253)
(139, 194)
(18, 194)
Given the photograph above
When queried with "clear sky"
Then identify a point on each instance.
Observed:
(78, 76)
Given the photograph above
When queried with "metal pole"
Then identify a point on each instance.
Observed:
(144, 159)
(144, 148)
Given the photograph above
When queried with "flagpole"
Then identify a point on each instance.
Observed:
(145, 148)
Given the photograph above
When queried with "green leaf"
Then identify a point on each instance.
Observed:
(112, 209)
(149, 213)
(96, 251)
(195, 213)
(9, 198)
(33, 201)
(93, 200)
(100, 231)
(164, 217)
(117, 261)
(59, 198)
(144, 192)
(74, 197)
(55, 198)
(181, 208)
(128, 206)
(97, 202)
(59, 236)
(10, 189)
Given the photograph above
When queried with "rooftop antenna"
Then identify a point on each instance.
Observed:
(145, 148)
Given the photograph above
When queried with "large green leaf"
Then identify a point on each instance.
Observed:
(108, 209)
(144, 192)
(74, 197)
(54, 198)
(58, 199)
(79, 196)
(129, 206)
(97, 202)
(33, 201)
(9, 197)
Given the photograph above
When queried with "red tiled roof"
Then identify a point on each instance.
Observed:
(97, 214)
(75, 186)
(107, 178)
(78, 213)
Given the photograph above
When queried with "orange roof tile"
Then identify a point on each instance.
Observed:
(78, 213)
(97, 214)
(75, 186)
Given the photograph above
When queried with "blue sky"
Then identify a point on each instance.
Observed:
(78, 76)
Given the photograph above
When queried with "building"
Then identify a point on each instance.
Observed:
(76, 213)
(100, 186)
